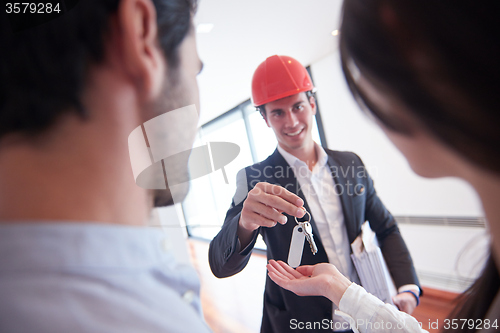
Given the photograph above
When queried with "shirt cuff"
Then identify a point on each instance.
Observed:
(412, 287)
(250, 245)
(367, 311)
(355, 295)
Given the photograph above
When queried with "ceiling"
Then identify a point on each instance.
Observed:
(246, 32)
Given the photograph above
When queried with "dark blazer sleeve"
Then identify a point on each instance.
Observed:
(225, 255)
(393, 247)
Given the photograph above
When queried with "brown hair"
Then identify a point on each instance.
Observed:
(441, 59)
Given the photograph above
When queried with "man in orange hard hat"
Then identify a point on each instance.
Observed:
(333, 186)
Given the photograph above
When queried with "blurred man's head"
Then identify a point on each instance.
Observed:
(78, 85)
(44, 70)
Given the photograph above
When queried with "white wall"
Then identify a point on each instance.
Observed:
(448, 258)
(445, 257)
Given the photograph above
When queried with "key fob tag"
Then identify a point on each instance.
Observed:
(296, 246)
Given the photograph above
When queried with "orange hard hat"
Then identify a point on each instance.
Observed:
(278, 77)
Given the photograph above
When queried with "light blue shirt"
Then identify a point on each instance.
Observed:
(83, 277)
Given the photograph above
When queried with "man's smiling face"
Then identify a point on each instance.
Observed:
(291, 119)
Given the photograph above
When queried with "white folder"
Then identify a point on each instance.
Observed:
(371, 267)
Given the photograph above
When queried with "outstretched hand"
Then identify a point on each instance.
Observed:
(318, 280)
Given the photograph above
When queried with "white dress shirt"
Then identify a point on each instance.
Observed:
(318, 188)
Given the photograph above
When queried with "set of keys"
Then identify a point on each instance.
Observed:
(307, 229)
(303, 230)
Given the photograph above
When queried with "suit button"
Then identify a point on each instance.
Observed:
(189, 296)
(359, 189)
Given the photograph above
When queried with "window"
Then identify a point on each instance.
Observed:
(210, 197)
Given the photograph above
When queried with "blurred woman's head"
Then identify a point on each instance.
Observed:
(429, 72)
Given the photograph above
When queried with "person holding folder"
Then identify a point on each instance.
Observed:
(428, 73)
(333, 186)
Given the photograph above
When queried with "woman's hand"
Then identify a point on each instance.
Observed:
(318, 280)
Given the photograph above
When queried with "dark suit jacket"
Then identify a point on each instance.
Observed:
(359, 204)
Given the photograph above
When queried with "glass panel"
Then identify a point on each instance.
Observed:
(263, 136)
(315, 132)
(210, 197)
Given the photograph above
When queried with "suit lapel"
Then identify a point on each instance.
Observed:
(341, 183)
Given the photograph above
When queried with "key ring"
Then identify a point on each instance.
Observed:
(309, 220)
